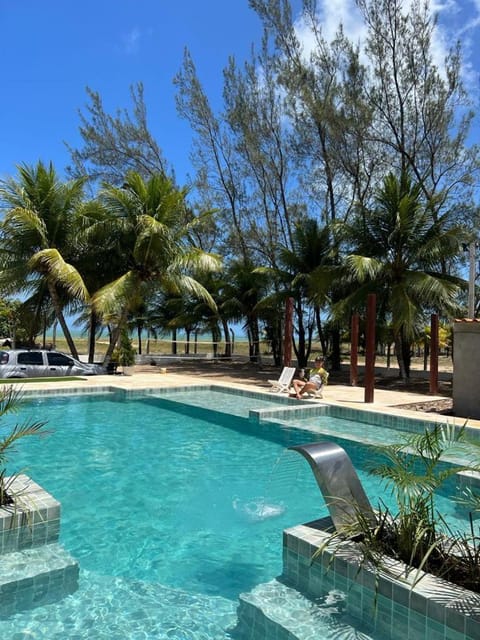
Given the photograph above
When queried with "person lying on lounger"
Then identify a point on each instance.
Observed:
(318, 377)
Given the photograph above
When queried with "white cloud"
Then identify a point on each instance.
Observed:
(332, 13)
(131, 41)
(460, 22)
(457, 20)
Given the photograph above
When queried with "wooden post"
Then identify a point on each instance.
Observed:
(370, 348)
(434, 354)
(354, 350)
(288, 336)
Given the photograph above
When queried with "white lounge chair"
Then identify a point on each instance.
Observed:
(283, 382)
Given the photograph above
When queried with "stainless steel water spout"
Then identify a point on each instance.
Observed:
(339, 483)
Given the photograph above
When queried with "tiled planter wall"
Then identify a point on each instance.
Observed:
(433, 608)
(34, 568)
(34, 520)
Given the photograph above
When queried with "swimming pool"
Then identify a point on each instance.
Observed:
(170, 515)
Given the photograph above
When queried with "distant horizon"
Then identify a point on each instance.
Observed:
(239, 334)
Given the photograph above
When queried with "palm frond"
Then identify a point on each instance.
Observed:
(362, 268)
(51, 263)
(178, 283)
(124, 292)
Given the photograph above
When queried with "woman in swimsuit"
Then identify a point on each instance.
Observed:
(318, 377)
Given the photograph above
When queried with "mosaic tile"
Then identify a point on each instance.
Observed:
(420, 611)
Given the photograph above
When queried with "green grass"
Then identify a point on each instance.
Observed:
(39, 379)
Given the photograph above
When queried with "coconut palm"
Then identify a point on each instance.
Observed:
(399, 253)
(150, 228)
(306, 273)
(99, 260)
(37, 238)
(244, 288)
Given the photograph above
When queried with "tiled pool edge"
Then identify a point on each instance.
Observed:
(34, 568)
(382, 417)
(433, 607)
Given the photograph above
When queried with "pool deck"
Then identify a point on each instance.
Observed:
(385, 401)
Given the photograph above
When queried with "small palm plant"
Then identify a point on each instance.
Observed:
(414, 472)
(126, 352)
(9, 398)
(415, 532)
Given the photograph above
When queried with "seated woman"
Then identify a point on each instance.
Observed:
(318, 377)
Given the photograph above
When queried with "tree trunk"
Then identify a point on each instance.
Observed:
(403, 359)
(276, 341)
(44, 332)
(321, 335)
(335, 361)
(300, 346)
(174, 342)
(139, 334)
(253, 339)
(92, 326)
(61, 319)
(228, 343)
(216, 336)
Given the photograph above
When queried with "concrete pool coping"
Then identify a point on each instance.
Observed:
(385, 401)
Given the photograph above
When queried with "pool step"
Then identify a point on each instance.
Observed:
(275, 610)
(117, 608)
(34, 577)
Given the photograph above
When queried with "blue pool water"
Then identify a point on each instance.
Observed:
(170, 516)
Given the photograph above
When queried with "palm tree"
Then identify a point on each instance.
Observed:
(98, 258)
(306, 272)
(244, 288)
(150, 230)
(37, 238)
(398, 252)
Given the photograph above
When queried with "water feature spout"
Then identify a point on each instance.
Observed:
(339, 483)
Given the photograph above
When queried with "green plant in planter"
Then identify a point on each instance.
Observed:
(125, 353)
(416, 533)
(9, 398)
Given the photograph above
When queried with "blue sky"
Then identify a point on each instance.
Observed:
(51, 50)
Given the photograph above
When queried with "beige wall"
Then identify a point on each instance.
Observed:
(466, 369)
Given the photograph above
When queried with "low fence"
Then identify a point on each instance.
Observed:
(155, 359)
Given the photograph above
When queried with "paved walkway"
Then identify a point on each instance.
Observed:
(342, 395)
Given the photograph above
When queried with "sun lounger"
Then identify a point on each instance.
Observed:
(283, 382)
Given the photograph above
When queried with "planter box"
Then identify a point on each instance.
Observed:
(34, 569)
(128, 370)
(32, 521)
(391, 606)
